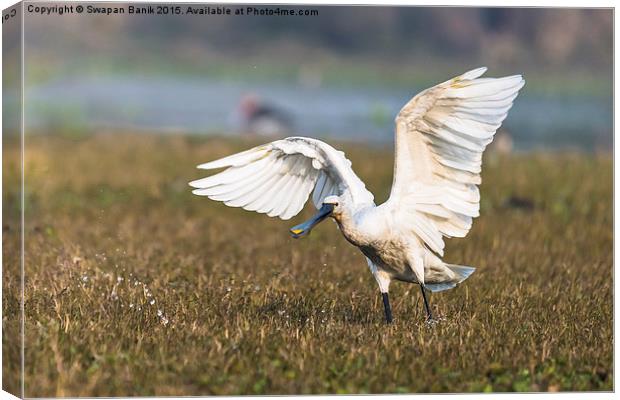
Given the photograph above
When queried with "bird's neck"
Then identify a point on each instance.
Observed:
(349, 223)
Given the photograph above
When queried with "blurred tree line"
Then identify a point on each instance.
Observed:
(548, 39)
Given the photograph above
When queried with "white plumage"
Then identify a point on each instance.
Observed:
(440, 136)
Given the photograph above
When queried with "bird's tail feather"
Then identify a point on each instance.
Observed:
(462, 272)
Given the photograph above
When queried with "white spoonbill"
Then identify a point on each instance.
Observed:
(440, 136)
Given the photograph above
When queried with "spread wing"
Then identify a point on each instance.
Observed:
(277, 178)
(440, 136)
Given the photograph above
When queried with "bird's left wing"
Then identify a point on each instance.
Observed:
(440, 136)
(277, 178)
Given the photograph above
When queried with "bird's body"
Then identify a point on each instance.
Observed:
(440, 136)
(392, 252)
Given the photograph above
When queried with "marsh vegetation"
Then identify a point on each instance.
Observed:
(134, 286)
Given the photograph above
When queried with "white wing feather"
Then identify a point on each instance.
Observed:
(276, 179)
(440, 136)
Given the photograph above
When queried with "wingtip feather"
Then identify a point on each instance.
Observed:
(238, 159)
(474, 73)
(198, 192)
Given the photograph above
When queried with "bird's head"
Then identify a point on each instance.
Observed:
(330, 207)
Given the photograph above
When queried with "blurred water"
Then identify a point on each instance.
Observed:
(157, 104)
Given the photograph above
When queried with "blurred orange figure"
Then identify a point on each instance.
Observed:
(260, 118)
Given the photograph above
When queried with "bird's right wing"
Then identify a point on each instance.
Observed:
(277, 178)
(440, 136)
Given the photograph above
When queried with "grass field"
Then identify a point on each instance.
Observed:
(136, 287)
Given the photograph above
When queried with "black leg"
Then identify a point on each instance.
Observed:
(387, 308)
(429, 315)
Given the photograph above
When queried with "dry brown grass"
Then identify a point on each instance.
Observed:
(239, 307)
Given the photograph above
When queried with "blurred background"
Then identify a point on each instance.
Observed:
(134, 286)
(342, 74)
